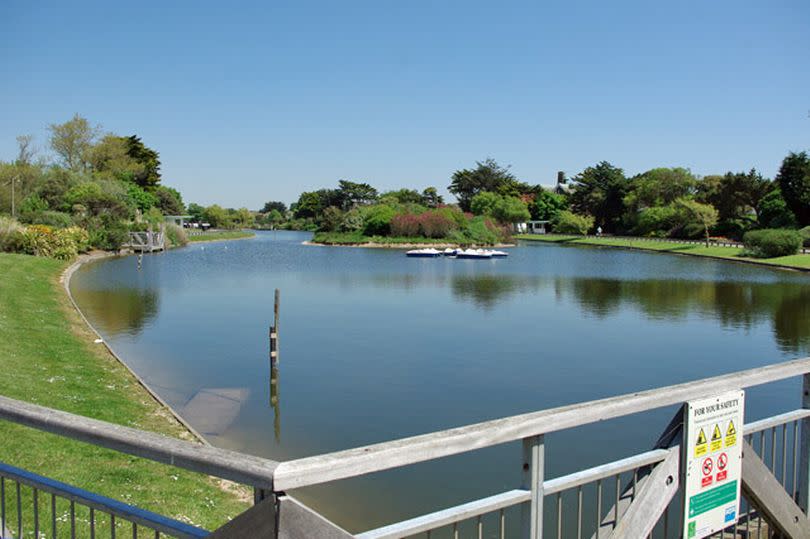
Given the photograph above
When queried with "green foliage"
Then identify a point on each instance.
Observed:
(99, 198)
(805, 233)
(657, 221)
(431, 198)
(62, 244)
(794, 181)
(770, 243)
(773, 211)
(659, 187)
(176, 235)
(547, 205)
(12, 235)
(510, 209)
(479, 231)
(570, 223)
(402, 196)
(72, 141)
(149, 161)
(216, 216)
(142, 199)
(331, 219)
(377, 219)
(280, 207)
(196, 211)
(697, 215)
(241, 218)
(600, 191)
(353, 194)
(352, 221)
(735, 195)
(169, 200)
(484, 203)
(56, 219)
(110, 159)
(487, 176)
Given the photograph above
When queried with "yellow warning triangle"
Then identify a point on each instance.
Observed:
(731, 430)
(701, 438)
(717, 435)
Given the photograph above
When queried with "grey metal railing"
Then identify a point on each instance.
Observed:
(588, 503)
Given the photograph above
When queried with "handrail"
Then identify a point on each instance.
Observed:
(223, 463)
(139, 516)
(383, 456)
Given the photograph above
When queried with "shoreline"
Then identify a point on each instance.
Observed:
(585, 241)
(64, 280)
(376, 245)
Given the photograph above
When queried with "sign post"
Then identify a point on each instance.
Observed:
(712, 463)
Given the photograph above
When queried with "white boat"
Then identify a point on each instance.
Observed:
(451, 252)
(423, 253)
(499, 254)
(474, 254)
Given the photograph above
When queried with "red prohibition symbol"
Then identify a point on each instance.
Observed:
(722, 461)
(707, 466)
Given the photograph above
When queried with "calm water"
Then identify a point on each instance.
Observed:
(376, 346)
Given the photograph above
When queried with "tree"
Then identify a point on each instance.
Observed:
(794, 181)
(431, 197)
(511, 210)
(484, 203)
(196, 212)
(659, 187)
(274, 205)
(487, 176)
(169, 200)
(355, 194)
(242, 217)
(26, 151)
(567, 222)
(735, 195)
(331, 219)
(309, 205)
(216, 216)
(72, 140)
(704, 214)
(599, 191)
(773, 211)
(110, 159)
(403, 196)
(148, 158)
(547, 205)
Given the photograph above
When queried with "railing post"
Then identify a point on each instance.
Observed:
(533, 475)
(804, 450)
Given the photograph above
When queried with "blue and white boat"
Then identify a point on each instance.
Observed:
(423, 253)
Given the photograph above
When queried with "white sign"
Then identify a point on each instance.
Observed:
(713, 463)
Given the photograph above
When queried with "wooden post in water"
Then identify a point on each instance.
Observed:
(274, 359)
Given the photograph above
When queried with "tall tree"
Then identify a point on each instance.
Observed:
(659, 187)
(487, 176)
(274, 205)
(149, 178)
(431, 197)
(599, 191)
(794, 181)
(355, 194)
(735, 195)
(25, 149)
(110, 159)
(72, 140)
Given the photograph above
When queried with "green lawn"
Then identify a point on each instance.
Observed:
(47, 357)
(732, 253)
(221, 235)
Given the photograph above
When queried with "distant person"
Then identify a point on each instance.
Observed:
(599, 231)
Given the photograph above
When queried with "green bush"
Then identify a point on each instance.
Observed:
(805, 232)
(56, 219)
(656, 221)
(12, 238)
(571, 223)
(63, 244)
(176, 235)
(377, 220)
(769, 243)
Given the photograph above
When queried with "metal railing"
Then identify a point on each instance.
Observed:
(588, 503)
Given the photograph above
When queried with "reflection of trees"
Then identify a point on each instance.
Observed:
(486, 290)
(786, 305)
(120, 310)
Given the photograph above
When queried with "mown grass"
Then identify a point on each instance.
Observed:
(799, 261)
(221, 235)
(47, 357)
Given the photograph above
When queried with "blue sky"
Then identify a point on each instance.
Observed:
(248, 102)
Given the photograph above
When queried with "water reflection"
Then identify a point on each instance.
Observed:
(120, 310)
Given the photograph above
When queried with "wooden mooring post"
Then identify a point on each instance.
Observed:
(274, 359)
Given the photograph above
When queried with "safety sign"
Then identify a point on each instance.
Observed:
(713, 464)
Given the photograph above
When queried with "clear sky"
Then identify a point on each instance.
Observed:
(248, 102)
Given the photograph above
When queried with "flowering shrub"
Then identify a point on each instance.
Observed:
(63, 244)
(406, 224)
(435, 225)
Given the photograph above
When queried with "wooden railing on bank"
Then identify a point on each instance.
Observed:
(632, 497)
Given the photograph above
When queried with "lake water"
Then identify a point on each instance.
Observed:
(376, 346)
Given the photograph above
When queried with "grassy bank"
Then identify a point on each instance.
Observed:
(357, 238)
(47, 356)
(221, 235)
(801, 262)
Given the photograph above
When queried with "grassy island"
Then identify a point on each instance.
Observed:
(359, 239)
(48, 357)
(798, 261)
